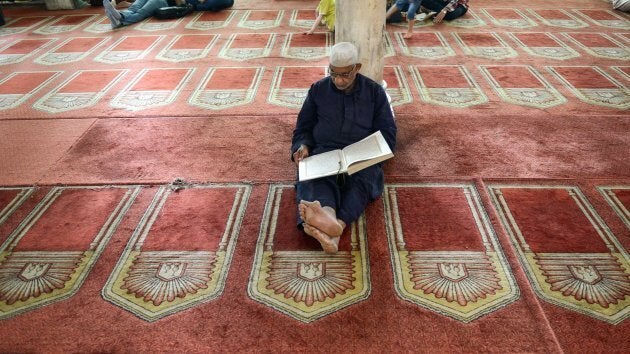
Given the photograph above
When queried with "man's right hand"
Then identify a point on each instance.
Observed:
(300, 154)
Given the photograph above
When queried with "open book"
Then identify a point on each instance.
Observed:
(352, 158)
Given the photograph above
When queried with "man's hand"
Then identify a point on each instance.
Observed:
(440, 16)
(300, 154)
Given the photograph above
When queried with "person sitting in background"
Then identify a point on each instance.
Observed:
(446, 9)
(325, 13)
(411, 7)
(143, 9)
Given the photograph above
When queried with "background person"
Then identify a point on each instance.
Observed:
(412, 7)
(143, 9)
(325, 13)
(446, 9)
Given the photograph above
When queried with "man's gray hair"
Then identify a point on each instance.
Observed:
(343, 54)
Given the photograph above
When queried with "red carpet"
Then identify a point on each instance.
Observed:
(147, 205)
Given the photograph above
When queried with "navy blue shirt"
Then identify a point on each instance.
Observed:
(332, 119)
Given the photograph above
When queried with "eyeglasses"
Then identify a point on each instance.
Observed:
(342, 75)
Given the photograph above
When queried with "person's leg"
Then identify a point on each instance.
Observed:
(361, 188)
(137, 5)
(136, 14)
(112, 14)
(321, 217)
(329, 244)
(324, 190)
(392, 10)
(317, 201)
(413, 9)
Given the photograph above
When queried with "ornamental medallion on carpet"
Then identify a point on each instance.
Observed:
(180, 252)
(72, 93)
(246, 46)
(484, 45)
(522, 85)
(222, 88)
(48, 256)
(71, 50)
(570, 256)
(151, 24)
(186, 47)
(605, 18)
(291, 273)
(313, 47)
(447, 85)
(152, 88)
(22, 24)
(618, 197)
(66, 23)
(128, 48)
(508, 18)
(290, 84)
(205, 20)
(544, 45)
(593, 85)
(599, 45)
(445, 254)
(20, 86)
(15, 52)
(103, 25)
(558, 18)
(259, 19)
(302, 19)
(425, 45)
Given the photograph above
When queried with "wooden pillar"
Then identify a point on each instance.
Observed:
(362, 22)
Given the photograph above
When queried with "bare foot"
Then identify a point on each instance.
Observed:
(407, 35)
(329, 244)
(322, 218)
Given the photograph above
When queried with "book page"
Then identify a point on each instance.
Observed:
(320, 165)
(369, 148)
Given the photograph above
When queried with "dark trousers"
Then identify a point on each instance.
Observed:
(348, 195)
(438, 5)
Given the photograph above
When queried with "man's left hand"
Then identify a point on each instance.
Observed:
(439, 17)
(300, 154)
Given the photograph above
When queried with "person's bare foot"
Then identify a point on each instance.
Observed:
(329, 244)
(322, 218)
(407, 35)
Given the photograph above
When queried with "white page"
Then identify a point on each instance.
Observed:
(368, 148)
(320, 165)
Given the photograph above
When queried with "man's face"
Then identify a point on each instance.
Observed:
(343, 76)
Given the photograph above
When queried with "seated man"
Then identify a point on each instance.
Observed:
(339, 110)
(142, 9)
(446, 9)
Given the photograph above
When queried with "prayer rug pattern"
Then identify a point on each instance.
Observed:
(570, 256)
(294, 276)
(48, 256)
(504, 227)
(161, 271)
(446, 256)
(618, 197)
